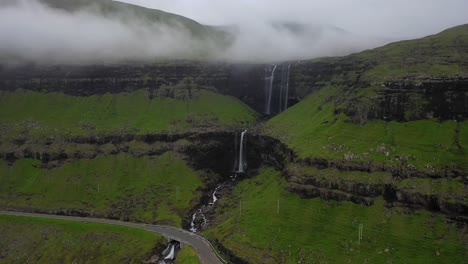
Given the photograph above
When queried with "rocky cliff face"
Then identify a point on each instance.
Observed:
(399, 99)
(245, 82)
(441, 191)
(444, 99)
(216, 152)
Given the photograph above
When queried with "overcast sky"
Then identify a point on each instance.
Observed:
(383, 18)
(32, 31)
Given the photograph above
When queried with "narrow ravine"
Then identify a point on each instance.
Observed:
(199, 219)
(169, 254)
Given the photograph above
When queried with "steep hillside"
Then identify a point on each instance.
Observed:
(273, 225)
(403, 81)
(128, 12)
(377, 138)
(400, 109)
(174, 109)
(36, 240)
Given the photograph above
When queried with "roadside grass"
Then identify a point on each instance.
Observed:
(33, 113)
(319, 231)
(187, 255)
(39, 240)
(313, 130)
(150, 189)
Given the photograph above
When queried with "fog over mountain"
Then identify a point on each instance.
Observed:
(31, 31)
(397, 19)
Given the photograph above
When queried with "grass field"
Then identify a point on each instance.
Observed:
(187, 255)
(124, 186)
(318, 231)
(37, 240)
(313, 130)
(30, 113)
(439, 54)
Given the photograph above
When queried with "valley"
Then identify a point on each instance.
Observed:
(272, 163)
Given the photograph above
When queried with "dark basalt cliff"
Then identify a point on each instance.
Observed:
(243, 81)
(365, 86)
(400, 99)
(216, 152)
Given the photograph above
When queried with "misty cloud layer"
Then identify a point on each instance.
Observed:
(33, 32)
(395, 19)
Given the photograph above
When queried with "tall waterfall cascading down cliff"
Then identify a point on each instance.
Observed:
(284, 91)
(242, 148)
(276, 89)
(269, 90)
(198, 218)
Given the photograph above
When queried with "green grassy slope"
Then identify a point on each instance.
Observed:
(120, 186)
(35, 240)
(33, 113)
(343, 118)
(317, 231)
(313, 130)
(187, 255)
(443, 54)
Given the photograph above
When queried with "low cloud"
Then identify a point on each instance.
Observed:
(33, 32)
(282, 41)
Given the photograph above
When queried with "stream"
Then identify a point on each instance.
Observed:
(199, 219)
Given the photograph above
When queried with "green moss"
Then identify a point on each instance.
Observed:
(187, 255)
(37, 240)
(442, 54)
(327, 231)
(335, 175)
(29, 113)
(313, 130)
(448, 188)
(125, 186)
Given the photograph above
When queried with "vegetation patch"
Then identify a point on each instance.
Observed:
(312, 129)
(151, 189)
(187, 255)
(37, 240)
(26, 114)
(250, 224)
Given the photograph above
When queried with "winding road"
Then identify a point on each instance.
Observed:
(204, 249)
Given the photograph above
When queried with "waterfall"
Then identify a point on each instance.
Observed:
(199, 219)
(214, 197)
(193, 228)
(242, 164)
(287, 89)
(269, 90)
(170, 252)
(284, 92)
(193, 225)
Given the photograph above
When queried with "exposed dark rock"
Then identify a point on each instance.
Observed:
(243, 81)
(215, 152)
(229, 254)
(309, 191)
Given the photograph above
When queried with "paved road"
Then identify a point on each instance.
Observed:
(202, 246)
